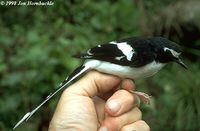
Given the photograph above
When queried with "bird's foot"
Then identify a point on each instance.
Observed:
(143, 96)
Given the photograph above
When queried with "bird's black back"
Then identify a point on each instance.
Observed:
(145, 50)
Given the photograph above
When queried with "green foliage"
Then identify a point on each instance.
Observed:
(177, 103)
(36, 44)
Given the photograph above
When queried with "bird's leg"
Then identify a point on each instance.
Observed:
(143, 96)
(129, 85)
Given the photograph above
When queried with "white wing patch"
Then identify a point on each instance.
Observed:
(173, 52)
(126, 49)
(113, 42)
(119, 57)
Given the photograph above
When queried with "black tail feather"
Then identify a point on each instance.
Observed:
(76, 73)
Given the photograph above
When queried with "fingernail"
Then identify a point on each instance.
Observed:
(114, 106)
(103, 128)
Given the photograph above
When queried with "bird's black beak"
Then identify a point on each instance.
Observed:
(180, 62)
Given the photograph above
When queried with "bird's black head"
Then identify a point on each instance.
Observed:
(167, 51)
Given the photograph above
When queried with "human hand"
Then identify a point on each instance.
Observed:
(92, 104)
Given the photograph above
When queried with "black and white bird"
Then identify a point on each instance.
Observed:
(132, 58)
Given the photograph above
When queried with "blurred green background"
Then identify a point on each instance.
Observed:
(36, 44)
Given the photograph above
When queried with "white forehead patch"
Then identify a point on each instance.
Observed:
(126, 49)
(174, 53)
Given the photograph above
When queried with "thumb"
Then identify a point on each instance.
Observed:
(94, 83)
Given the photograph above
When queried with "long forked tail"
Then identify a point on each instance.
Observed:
(76, 73)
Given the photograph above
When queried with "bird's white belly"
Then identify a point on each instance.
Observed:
(126, 71)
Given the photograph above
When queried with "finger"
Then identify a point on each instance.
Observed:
(137, 126)
(105, 96)
(99, 106)
(94, 83)
(128, 84)
(116, 123)
(119, 103)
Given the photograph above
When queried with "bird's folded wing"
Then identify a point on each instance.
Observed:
(110, 53)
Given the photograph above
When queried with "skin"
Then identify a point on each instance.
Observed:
(95, 103)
